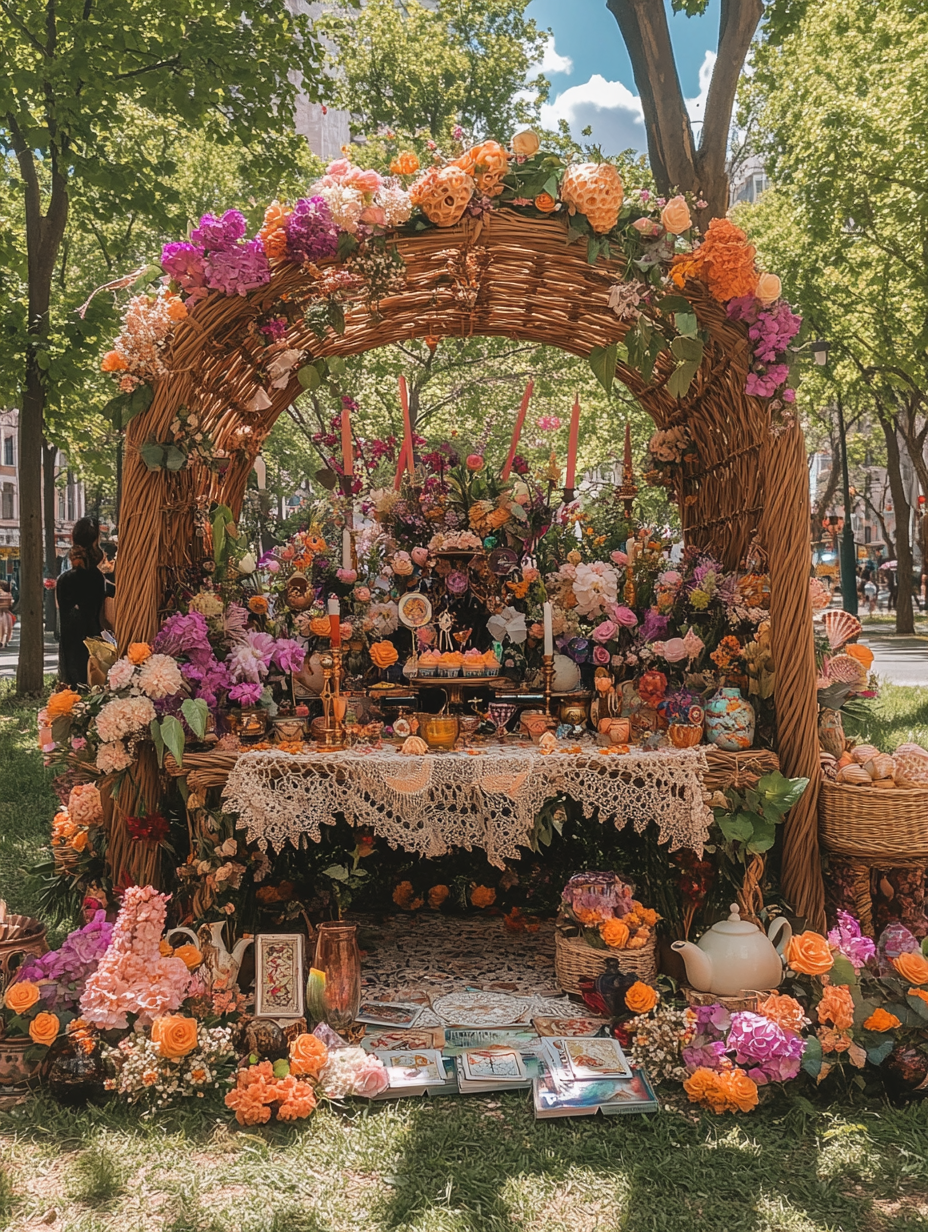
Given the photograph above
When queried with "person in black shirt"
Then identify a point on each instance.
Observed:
(80, 592)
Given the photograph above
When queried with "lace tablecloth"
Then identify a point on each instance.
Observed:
(433, 803)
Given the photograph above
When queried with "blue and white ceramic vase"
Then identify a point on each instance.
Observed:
(730, 721)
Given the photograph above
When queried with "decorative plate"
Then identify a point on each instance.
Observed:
(481, 1009)
(502, 561)
(414, 610)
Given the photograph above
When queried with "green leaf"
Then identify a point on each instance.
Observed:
(780, 792)
(764, 836)
(152, 455)
(686, 324)
(172, 733)
(175, 458)
(309, 377)
(327, 478)
(347, 244)
(335, 315)
(603, 360)
(681, 378)
(155, 729)
(337, 872)
(336, 364)
(196, 712)
(878, 1054)
(61, 728)
(843, 971)
(281, 1068)
(139, 400)
(689, 350)
(737, 828)
(812, 1057)
(674, 303)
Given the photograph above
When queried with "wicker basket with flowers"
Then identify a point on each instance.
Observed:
(600, 918)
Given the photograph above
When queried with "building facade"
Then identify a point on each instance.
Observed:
(69, 498)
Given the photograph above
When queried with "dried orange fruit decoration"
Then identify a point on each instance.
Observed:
(595, 190)
(487, 163)
(443, 194)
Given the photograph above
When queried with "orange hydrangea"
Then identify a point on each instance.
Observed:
(437, 896)
(912, 967)
(725, 1091)
(881, 1020)
(641, 998)
(62, 703)
(113, 362)
(724, 261)
(482, 896)
(836, 1007)
(785, 1011)
(138, 652)
(615, 933)
(809, 954)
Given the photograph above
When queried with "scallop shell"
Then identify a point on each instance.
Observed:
(548, 742)
(880, 767)
(415, 746)
(855, 776)
(911, 766)
(845, 760)
(840, 628)
(864, 753)
(844, 669)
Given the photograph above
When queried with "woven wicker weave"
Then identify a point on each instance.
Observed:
(574, 960)
(504, 276)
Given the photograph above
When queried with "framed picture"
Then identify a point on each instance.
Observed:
(279, 979)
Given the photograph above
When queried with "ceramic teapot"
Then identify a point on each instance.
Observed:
(735, 956)
(222, 966)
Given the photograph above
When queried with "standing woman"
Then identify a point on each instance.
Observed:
(80, 591)
(6, 615)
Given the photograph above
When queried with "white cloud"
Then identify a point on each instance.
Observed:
(552, 61)
(613, 113)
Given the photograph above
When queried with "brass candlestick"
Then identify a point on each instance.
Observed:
(548, 661)
(333, 705)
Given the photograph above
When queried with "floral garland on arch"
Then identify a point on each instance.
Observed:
(342, 234)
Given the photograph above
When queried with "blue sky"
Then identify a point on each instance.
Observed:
(591, 75)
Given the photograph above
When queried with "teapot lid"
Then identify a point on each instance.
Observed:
(734, 924)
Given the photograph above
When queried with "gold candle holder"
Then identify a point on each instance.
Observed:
(548, 668)
(333, 704)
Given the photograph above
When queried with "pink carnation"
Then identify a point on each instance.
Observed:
(120, 674)
(112, 757)
(160, 676)
(84, 805)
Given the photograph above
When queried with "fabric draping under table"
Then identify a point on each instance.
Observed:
(432, 803)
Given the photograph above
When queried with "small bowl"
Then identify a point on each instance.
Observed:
(439, 731)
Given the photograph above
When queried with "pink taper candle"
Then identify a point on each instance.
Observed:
(517, 430)
(572, 444)
(406, 453)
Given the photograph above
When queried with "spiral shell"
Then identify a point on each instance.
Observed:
(854, 776)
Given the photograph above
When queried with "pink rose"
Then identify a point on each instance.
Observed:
(670, 578)
(426, 635)
(346, 575)
(340, 167)
(273, 566)
(624, 616)
(475, 462)
(420, 556)
(647, 228)
(536, 630)
(345, 629)
(362, 594)
(370, 1078)
(618, 558)
(674, 650)
(694, 644)
(606, 631)
(601, 656)
(374, 216)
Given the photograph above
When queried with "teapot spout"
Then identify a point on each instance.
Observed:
(698, 964)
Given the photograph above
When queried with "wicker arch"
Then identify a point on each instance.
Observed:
(516, 278)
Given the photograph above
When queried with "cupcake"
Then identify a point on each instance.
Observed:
(428, 662)
(474, 662)
(491, 664)
(449, 664)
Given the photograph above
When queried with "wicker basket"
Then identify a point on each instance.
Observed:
(575, 960)
(868, 822)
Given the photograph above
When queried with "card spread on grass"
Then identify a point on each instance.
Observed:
(495, 1063)
(389, 1013)
(590, 1059)
(387, 1039)
(613, 1097)
(413, 1068)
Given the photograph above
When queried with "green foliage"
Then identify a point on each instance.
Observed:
(748, 825)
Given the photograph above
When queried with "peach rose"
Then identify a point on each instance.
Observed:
(768, 289)
(474, 462)
(308, 1055)
(61, 703)
(641, 998)
(615, 933)
(44, 1028)
(405, 163)
(912, 967)
(138, 652)
(383, 654)
(836, 1007)
(675, 216)
(175, 1035)
(483, 896)
(809, 954)
(21, 997)
(545, 203)
(526, 143)
(319, 626)
(189, 955)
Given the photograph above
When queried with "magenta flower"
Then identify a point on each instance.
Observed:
(289, 655)
(181, 635)
(184, 263)
(246, 694)
(710, 1055)
(848, 940)
(601, 656)
(756, 1038)
(312, 234)
(218, 233)
(776, 1069)
(238, 270)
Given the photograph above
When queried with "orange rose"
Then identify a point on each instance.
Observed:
(785, 1011)
(189, 955)
(79, 841)
(641, 998)
(863, 654)
(700, 1085)
(308, 1055)
(44, 1028)
(881, 1020)
(837, 1007)
(920, 993)
(258, 604)
(809, 954)
(739, 1090)
(405, 164)
(768, 289)
(383, 654)
(437, 896)
(61, 703)
(21, 997)
(138, 652)
(546, 203)
(319, 626)
(175, 1035)
(615, 933)
(113, 362)
(404, 895)
(526, 143)
(675, 216)
(912, 967)
(482, 896)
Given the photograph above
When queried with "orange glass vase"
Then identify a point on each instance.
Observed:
(337, 970)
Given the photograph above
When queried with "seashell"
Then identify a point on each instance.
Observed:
(831, 732)
(845, 760)
(915, 749)
(854, 776)
(414, 746)
(911, 766)
(840, 628)
(548, 742)
(863, 753)
(880, 767)
(843, 669)
(884, 783)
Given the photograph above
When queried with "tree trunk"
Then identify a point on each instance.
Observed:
(49, 493)
(905, 618)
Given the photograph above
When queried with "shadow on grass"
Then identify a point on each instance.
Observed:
(27, 802)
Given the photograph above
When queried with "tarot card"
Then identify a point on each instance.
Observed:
(495, 1063)
(413, 1068)
(386, 1039)
(592, 1059)
(389, 1013)
(279, 979)
(580, 1026)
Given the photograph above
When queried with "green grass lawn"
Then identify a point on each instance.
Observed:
(448, 1165)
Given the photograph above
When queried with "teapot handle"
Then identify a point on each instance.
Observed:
(780, 931)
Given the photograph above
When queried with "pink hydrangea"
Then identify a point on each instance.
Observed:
(133, 976)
